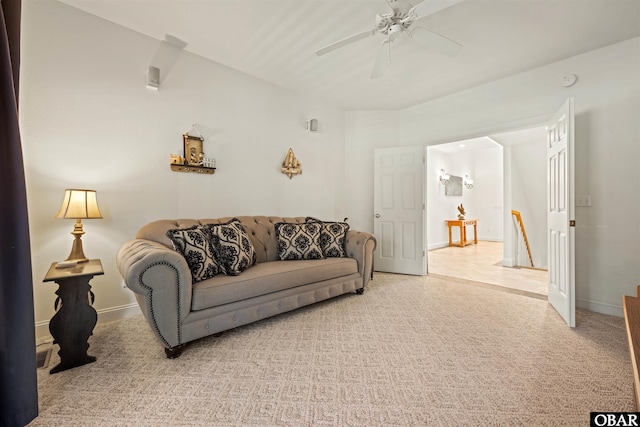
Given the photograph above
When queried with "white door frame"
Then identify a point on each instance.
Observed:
(565, 305)
(527, 123)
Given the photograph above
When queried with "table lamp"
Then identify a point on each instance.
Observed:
(78, 204)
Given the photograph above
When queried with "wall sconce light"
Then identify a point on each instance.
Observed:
(153, 77)
(444, 177)
(291, 166)
(79, 204)
(312, 125)
(468, 182)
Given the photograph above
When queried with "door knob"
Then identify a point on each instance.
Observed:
(377, 215)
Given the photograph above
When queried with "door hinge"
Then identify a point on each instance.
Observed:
(572, 223)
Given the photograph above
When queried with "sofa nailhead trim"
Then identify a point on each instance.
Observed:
(149, 298)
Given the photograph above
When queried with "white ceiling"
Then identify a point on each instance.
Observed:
(536, 135)
(275, 40)
(474, 144)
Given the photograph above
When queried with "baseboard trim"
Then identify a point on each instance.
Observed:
(116, 313)
(600, 307)
(104, 315)
(508, 262)
(490, 239)
(445, 244)
(437, 246)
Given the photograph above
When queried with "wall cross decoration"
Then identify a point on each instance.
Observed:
(291, 166)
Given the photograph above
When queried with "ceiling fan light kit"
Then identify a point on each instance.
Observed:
(394, 24)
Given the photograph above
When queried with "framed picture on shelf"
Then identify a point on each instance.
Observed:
(193, 153)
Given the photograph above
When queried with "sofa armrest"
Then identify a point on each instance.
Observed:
(161, 281)
(360, 245)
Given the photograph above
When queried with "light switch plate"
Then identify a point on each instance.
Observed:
(584, 201)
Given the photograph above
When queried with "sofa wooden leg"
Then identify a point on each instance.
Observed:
(360, 291)
(174, 352)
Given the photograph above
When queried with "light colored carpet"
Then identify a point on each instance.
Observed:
(410, 351)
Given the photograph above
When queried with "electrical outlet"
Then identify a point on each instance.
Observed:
(584, 201)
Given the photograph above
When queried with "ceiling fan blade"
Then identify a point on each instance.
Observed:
(429, 7)
(434, 41)
(344, 42)
(382, 60)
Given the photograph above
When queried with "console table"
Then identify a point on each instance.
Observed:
(75, 318)
(462, 224)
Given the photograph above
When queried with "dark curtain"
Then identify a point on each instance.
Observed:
(18, 381)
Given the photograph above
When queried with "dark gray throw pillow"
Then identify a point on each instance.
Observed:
(193, 243)
(298, 241)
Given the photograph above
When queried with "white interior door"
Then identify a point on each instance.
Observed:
(399, 210)
(560, 212)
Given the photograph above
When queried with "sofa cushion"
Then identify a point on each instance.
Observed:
(194, 244)
(232, 247)
(332, 237)
(298, 241)
(267, 277)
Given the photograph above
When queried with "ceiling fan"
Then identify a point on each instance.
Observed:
(401, 20)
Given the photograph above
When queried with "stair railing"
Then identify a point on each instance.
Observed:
(523, 233)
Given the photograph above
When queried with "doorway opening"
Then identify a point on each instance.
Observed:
(507, 171)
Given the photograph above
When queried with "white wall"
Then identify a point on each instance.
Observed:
(365, 132)
(487, 193)
(529, 194)
(607, 102)
(87, 120)
(483, 202)
(439, 207)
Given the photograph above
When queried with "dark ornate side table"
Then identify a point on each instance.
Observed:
(75, 318)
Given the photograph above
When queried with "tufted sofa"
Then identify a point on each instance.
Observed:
(180, 311)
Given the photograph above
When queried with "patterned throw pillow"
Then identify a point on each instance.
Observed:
(232, 247)
(332, 237)
(298, 241)
(193, 243)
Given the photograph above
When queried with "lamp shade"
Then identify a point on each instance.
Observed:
(79, 204)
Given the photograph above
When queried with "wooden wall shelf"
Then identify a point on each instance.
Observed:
(195, 169)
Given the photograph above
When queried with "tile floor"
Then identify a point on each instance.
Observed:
(483, 263)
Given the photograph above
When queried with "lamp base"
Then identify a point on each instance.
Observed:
(76, 260)
(77, 254)
(66, 264)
